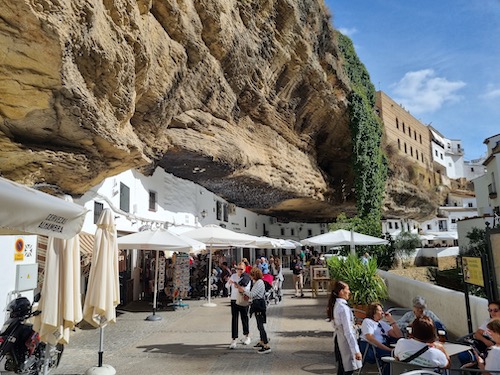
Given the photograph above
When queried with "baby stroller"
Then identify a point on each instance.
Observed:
(277, 289)
(270, 291)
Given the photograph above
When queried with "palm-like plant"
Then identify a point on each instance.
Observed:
(365, 284)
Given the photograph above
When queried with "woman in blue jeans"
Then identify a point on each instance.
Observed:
(258, 307)
(379, 333)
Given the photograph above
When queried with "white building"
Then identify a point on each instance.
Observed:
(396, 226)
(447, 157)
(486, 185)
(474, 168)
(164, 199)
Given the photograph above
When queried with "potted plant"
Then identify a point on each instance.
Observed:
(365, 284)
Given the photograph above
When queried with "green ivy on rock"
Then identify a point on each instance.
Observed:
(369, 162)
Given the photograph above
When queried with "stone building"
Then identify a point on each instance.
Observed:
(406, 136)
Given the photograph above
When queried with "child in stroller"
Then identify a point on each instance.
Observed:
(270, 290)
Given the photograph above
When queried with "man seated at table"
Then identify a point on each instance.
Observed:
(419, 310)
(422, 349)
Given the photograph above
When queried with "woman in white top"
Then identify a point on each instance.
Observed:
(243, 279)
(423, 336)
(483, 340)
(492, 361)
(379, 333)
(347, 351)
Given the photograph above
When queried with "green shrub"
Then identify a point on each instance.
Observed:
(365, 284)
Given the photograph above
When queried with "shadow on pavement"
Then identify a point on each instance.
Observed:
(194, 350)
(304, 334)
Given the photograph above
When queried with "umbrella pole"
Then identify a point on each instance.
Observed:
(101, 369)
(353, 248)
(101, 346)
(209, 292)
(155, 317)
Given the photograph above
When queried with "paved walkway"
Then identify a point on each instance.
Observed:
(195, 341)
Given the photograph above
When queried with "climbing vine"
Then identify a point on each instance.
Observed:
(369, 162)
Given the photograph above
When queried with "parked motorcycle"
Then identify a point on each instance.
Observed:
(20, 345)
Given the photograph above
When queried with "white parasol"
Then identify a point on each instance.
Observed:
(103, 294)
(26, 210)
(343, 237)
(159, 239)
(216, 236)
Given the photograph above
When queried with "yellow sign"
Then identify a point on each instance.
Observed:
(473, 271)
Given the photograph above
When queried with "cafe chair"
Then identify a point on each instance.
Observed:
(419, 372)
(370, 357)
(398, 367)
(398, 312)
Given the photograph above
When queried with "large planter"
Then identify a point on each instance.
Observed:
(359, 311)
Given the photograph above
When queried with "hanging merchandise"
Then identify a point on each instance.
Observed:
(161, 273)
(182, 274)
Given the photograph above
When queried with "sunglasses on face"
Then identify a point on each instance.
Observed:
(240, 269)
(493, 310)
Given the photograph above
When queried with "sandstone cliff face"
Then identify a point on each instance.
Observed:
(243, 97)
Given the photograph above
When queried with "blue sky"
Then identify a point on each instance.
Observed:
(440, 59)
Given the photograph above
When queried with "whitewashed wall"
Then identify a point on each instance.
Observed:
(9, 260)
(449, 305)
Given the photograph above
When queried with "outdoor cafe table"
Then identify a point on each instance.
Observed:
(454, 348)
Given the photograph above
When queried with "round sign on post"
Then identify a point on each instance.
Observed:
(19, 247)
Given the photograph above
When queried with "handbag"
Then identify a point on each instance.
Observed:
(241, 300)
(259, 305)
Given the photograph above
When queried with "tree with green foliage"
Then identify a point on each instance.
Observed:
(477, 243)
(405, 244)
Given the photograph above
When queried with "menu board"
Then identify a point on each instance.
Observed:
(473, 271)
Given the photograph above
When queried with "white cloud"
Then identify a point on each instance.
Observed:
(423, 92)
(491, 93)
(348, 32)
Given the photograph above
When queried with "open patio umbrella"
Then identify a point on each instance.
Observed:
(297, 244)
(445, 235)
(103, 294)
(159, 239)
(215, 236)
(343, 237)
(26, 210)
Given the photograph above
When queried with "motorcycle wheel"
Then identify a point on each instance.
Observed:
(54, 358)
(59, 353)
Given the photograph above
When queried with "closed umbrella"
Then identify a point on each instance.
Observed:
(103, 294)
(216, 236)
(159, 239)
(60, 302)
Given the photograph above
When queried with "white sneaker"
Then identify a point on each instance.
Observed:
(246, 341)
(232, 345)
